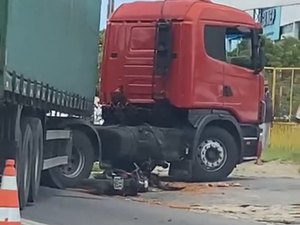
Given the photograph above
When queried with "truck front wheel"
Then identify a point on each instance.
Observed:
(216, 155)
(79, 166)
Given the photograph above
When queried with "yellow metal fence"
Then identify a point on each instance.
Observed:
(284, 84)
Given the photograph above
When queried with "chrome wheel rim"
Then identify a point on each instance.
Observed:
(211, 155)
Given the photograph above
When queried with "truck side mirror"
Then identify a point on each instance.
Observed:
(260, 62)
(260, 59)
(163, 47)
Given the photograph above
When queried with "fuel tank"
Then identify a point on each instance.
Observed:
(138, 143)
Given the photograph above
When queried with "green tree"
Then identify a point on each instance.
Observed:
(100, 54)
(283, 53)
(291, 52)
(273, 53)
(100, 45)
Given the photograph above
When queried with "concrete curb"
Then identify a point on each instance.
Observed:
(30, 222)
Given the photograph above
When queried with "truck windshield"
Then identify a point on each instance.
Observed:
(239, 47)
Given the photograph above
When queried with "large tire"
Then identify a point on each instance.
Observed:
(36, 157)
(216, 155)
(79, 167)
(23, 162)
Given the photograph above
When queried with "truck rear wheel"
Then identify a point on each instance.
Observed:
(79, 166)
(37, 157)
(216, 155)
(23, 163)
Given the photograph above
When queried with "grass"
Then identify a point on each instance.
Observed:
(285, 143)
(284, 155)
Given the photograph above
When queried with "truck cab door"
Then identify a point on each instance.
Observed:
(241, 87)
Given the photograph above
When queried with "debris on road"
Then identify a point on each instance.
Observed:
(193, 187)
(117, 182)
(179, 206)
(157, 184)
(112, 182)
(130, 184)
(223, 184)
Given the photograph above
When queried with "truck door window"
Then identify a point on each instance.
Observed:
(239, 49)
(214, 42)
(230, 44)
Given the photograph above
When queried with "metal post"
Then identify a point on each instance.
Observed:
(273, 87)
(291, 94)
(280, 96)
(254, 15)
(110, 8)
(100, 8)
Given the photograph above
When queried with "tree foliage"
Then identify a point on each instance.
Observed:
(100, 45)
(284, 53)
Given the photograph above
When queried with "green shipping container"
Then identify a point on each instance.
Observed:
(49, 52)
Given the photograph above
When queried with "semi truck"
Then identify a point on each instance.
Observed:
(180, 82)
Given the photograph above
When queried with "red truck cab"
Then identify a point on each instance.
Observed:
(190, 70)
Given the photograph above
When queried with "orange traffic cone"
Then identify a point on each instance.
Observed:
(9, 201)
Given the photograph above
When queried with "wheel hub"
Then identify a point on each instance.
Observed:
(75, 164)
(211, 155)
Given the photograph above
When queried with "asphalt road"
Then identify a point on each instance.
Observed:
(56, 207)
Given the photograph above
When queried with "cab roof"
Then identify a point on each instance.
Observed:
(182, 10)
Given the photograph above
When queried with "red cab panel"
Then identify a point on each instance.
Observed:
(204, 72)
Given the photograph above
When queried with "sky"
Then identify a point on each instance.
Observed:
(104, 10)
(119, 2)
(241, 4)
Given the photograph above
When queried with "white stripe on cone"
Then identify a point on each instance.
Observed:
(10, 214)
(9, 183)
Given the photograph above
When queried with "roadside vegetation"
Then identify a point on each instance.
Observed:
(285, 143)
(285, 137)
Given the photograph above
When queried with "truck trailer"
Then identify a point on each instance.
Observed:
(48, 67)
(180, 82)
